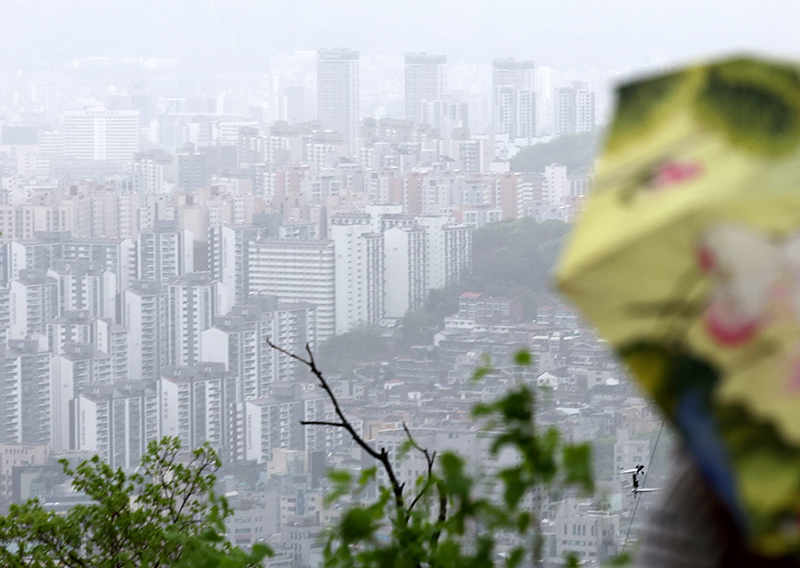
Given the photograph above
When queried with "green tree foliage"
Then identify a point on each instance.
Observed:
(365, 344)
(165, 514)
(571, 150)
(449, 518)
(515, 259)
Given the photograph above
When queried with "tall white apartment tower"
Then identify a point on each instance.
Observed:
(146, 318)
(359, 271)
(575, 109)
(191, 312)
(426, 80)
(98, 134)
(338, 93)
(297, 271)
(164, 252)
(514, 98)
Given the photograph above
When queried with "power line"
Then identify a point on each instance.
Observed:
(644, 482)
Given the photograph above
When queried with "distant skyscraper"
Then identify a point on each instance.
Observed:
(338, 93)
(513, 98)
(100, 134)
(575, 109)
(426, 80)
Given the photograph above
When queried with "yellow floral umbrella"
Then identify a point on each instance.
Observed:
(687, 258)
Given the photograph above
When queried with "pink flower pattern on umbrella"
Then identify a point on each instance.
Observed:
(673, 172)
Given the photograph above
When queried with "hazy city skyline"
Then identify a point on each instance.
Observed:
(615, 36)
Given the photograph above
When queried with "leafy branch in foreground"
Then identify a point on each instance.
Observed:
(166, 514)
(454, 519)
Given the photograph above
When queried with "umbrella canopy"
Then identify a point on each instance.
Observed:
(687, 259)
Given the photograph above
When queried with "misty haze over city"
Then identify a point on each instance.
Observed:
(183, 182)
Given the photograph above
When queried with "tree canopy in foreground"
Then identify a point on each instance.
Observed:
(164, 515)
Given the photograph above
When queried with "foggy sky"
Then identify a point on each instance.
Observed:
(612, 35)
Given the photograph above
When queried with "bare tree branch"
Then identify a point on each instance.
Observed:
(429, 459)
(381, 456)
(320, 423)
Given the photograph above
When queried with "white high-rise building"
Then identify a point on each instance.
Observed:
(85, 286)
(164, 252)
(191, 311)
(556, 186)
(513, 98)
(239, 341)
(229, 256)
(457, 252)
(115, 423)
(359, 271)
(425, 80)
(146, 319)
(195, 405)
(33, 301)
(406, 270)
(273, 422)
(435, 269)
(297, 271)
(25, 392)
(79, 365)
(338, 94)
(99, 134)
(117, 256)
(575, 109)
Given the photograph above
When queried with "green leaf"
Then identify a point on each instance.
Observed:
(517, 405)
(523, 357)
(516, 556)
(340, 476)
(523, 521)
(356, 525)
(367, 475)
(515, 486)
(623, 559)
(578, 465)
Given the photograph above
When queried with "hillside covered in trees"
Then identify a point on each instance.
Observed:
(575, 151)
(512, 258)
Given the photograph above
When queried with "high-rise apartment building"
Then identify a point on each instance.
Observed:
(197, 405)
(146, 318)
(425, 80)
(297, 271)
(98, 134)
(33, 301)
(273, 422)
(191, 311)
(457, 252)
(575, 109)
(25, 393)
(115, 422)
(406, 270)
(85, 286)
(229, 256)
(338, 94)
(239, 341)
(164, 252)
(359, 271)
(514, 98)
